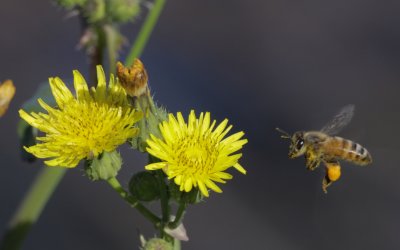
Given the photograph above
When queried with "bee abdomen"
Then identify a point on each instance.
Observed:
(353, 152)
(358, 154)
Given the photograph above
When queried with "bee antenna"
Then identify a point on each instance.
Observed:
(285, 135)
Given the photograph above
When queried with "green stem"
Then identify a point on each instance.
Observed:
(177, 244)
(145, 32)
(163, 197)
(112, 39)
(32, 206)
(179, 215)
(164, 200)
(96, 56)
(116, 185)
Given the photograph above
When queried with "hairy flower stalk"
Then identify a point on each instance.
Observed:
(195, 154)
(84, 126)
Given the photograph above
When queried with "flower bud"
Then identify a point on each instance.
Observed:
(144, 186)
(123, 10)
(133, 79)
(157, 244)
(95, 10)
(104, 167)
(178, 233)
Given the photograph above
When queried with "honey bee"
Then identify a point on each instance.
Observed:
(323, 146)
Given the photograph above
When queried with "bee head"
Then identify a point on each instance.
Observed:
(297, 145)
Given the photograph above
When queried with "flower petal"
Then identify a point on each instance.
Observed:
(156, 166)
(81, 88)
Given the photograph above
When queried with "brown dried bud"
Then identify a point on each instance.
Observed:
(133, 79)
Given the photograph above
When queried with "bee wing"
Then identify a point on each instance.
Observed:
(339, 121)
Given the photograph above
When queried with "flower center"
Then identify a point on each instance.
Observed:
(194, 153)
(197, 154)
(92, 127)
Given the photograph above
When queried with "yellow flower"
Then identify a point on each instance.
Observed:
(7, 91)
(195, 154)
(83, 127)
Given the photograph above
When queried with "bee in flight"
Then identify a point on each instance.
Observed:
(323, 146)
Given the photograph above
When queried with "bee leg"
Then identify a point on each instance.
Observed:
(332, 174)
(325, 184)
(312, 160)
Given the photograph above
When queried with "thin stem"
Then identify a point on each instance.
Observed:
(145, 31)
(116, 185)
(179, 215)
(32, 206)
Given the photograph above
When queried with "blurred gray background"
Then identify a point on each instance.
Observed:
(262, 64)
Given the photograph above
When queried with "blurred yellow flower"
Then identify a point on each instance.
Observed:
(7, 91)
(195, 154)
(83, 127)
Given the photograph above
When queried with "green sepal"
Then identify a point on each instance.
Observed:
(144, 186)
(104, 167)
(192, 197)
(149, 124)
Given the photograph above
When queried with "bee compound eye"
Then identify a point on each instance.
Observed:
(299, 144)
